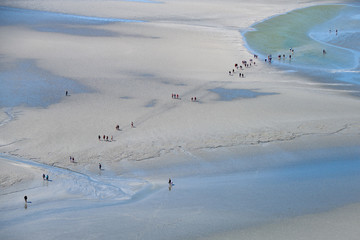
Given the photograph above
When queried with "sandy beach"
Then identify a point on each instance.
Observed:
(120, 62)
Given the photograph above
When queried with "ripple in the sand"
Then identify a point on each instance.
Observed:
(231, 94)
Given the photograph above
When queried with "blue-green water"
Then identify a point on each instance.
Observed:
(309, 31)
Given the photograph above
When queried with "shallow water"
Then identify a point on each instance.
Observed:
(308, 32)
(231, 94)
(201, 204)
(23, 83)
(54, 22)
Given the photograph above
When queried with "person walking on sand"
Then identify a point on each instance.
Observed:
(25, 198)
(43, 176)
(100, 166)
(132, 125)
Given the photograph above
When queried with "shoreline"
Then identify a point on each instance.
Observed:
(258, 142)
(282, 184)
(326, 73)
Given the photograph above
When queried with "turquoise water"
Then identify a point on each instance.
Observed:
(309, 31)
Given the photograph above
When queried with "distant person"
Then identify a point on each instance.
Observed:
(170, 182)
(324, 51)
(43, 176)
(66, 93)
(100, 166)
(47, 177)
(132, 124)
(25, 198)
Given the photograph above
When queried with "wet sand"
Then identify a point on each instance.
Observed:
(255, 136)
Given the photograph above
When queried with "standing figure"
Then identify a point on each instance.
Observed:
(100, 166)
(25, 198)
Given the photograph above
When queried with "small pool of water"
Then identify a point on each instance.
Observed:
(232, 94)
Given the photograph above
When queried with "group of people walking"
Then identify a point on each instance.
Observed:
(106, 138)
(110, 139)
(245, 64)
(175, 96)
